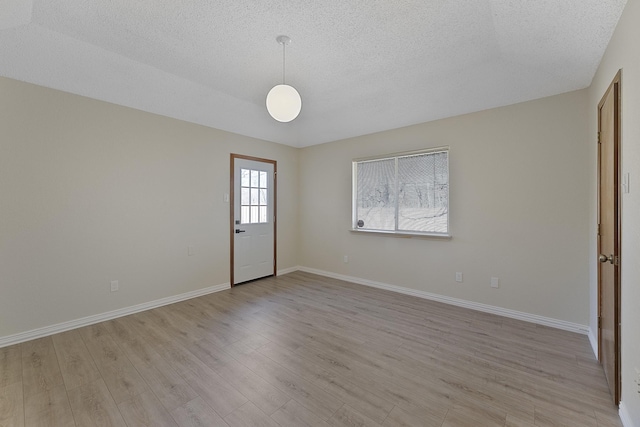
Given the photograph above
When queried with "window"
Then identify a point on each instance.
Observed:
(404, 193)
(253, 196)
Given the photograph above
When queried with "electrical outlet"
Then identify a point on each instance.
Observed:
(459, 277)
(345, 259)
(637, 380)
(495, 282)
(115, 285)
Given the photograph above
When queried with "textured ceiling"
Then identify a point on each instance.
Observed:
(361, 66)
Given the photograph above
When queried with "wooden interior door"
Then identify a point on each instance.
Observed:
(609, 236)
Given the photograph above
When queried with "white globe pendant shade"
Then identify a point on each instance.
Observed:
(284, 103)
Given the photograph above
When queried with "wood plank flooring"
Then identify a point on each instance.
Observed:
(303, 350)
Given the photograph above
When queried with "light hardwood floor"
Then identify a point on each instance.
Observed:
(304, 350)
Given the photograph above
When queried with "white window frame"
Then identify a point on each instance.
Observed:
(396, 232)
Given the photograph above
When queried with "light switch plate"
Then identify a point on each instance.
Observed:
(495, 282)
(625, 182)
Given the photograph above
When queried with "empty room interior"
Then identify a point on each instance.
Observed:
(441, 229)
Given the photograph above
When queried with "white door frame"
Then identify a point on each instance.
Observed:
(232, 224)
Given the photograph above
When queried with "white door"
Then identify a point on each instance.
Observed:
(253, 219)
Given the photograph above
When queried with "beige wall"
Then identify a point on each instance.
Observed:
(519, 209)
(92, 192)
(622, 53)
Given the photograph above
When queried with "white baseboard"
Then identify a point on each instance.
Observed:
(593, 340)
(527, 317)
(625, 417)
(97, 318)
(287, 270)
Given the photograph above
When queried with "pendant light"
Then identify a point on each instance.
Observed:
(283, 101)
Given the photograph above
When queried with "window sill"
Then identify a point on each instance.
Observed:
(405, 234)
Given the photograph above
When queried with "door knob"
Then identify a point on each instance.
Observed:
(604, 258)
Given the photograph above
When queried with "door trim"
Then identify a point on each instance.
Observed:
(232, 208)
(616, 87)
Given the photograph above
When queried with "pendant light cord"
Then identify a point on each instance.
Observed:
(284, 46)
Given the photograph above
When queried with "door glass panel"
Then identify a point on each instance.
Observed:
(254, 196)
(244, 199)
(244, 177)
(244, 215)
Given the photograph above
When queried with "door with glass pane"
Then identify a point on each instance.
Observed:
(253, 219)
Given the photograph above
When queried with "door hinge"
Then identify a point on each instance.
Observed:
(599, 322)
(598, 137)
(598, 229)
